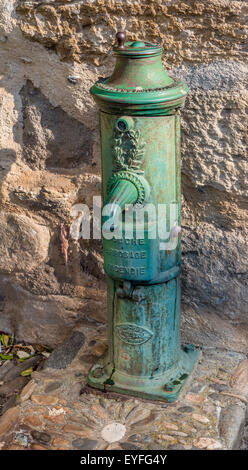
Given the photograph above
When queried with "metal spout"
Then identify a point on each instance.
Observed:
(123, 192)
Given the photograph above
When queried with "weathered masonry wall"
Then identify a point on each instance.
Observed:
(51, 53)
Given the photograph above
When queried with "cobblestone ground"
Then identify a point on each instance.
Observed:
(55, 411)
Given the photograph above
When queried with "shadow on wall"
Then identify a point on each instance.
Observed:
(44, 302)
(58, 143)
(51, 138)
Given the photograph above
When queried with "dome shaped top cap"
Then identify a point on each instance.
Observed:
(138, 83)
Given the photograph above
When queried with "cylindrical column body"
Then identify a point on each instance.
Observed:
(145, 260)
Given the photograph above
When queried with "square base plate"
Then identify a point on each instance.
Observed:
(159, 388)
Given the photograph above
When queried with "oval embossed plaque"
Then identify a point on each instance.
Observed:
(132, 333)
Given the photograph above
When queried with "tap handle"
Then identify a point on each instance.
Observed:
(121, 37)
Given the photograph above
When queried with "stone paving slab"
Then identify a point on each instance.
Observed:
(57, 411)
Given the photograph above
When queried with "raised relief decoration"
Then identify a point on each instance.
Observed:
(132, 333)
(128, 150)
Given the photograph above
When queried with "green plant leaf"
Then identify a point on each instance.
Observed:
(6, 357)
(12, 339)
(27, 372)
(4, 339)
(23, 359)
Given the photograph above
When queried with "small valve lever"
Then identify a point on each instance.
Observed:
(121, 37)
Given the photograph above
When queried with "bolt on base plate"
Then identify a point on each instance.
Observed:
(166, 387)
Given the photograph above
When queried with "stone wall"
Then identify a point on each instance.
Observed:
(51, 53)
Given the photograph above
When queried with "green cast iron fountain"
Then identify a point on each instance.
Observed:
(140, 144)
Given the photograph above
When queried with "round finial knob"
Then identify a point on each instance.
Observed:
(121, 39)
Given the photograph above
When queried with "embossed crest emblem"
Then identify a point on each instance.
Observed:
(132, 333)
(128, 150)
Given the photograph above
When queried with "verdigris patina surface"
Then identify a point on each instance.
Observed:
(139, 104)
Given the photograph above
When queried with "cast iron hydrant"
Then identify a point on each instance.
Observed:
(140, 145)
